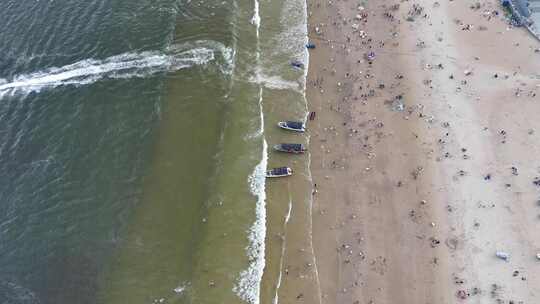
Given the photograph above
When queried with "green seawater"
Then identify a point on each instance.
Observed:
(133, 141)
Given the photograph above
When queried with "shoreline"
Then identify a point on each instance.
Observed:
(392, 219)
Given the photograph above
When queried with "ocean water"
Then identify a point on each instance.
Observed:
(534, 8)
(134, 136)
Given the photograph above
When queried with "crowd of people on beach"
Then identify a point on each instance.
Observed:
(370, 36)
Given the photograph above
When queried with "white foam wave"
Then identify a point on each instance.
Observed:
(289, 212)
(248, 287)
(275, 82)
(181, 288)
(127, 65)
(283, 249)
(256, 19)
(291, 40)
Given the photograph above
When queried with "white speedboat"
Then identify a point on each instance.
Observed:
(279, 172)
(292, 126)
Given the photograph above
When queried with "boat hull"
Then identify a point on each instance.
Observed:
(285, 171)
(272, 176)
(281, 149)
(283, 125)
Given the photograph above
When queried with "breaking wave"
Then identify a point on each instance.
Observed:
(276, 83)
(248, 286)
(126, 65)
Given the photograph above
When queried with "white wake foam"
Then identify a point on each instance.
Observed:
(127, 65)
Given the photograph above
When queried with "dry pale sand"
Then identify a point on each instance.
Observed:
(425, 160)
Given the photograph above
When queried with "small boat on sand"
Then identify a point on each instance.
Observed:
(296, 126)
(279, 172)
(290, 148)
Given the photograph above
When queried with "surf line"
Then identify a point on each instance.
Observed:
(248, 287)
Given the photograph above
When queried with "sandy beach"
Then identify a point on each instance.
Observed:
(424, 154)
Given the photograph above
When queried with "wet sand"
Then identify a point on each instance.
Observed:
(424, 161)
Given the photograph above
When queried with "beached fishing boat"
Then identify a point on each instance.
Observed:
(290, 148)
(292, 126)
(279, 172)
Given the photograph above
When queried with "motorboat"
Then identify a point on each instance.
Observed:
(279, 172)
(296, 126)
(290, 148)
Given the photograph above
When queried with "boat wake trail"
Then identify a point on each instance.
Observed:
(123, 66)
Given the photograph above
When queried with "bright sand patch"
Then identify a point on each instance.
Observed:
(403, 212)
